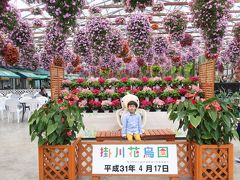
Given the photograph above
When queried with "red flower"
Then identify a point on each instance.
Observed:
(190, 126)
(145, 103)
(101, 80)
(95, 91)
(75, 91)
(80, 80)
(116, 102)
(124, 80)
(69, 133)
(194, 78)
(135, 90)
(71, 102)
(60, 101)
(194, 101)
(216, 105)
(121, 90)
(168, 78)
(189, 95)
(62, 120)
(182, 91)
(145, 79)
(170, 100)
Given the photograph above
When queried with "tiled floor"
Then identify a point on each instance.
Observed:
(19, 158)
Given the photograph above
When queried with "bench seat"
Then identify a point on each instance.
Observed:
(150, 134)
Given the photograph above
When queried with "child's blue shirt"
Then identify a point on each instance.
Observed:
(131, 124)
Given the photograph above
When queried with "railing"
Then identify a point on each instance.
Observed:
(20, 91)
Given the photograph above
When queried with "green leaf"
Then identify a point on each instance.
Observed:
(213, 115)
(227, 121)
(33, 136)
(206, 124)
(181, 115)
(195, 121)
(51, 128)
(235, 134)
(70, 120)
(52, 137)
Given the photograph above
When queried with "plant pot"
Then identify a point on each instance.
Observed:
(109, 99)
(100, 111)
(95, 111)
(110, 111)
(147, 98)
(152, 110)
(58, 162)
(213, 161)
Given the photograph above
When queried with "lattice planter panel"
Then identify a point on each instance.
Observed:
(56, 76)
(183, 150)
(206, 78)
(213, 162)
(58, 162)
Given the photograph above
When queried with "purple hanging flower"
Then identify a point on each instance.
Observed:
(68, 56)
(160, 45)
(65, 12)
(98, 30)
(27, 53)
(55, 39)
(37, 23)
(211, 17)
(21, 34)
(139, 34)
(115, 41)
(45, 60)
(81, 44)
(175, 23)
(94, 10)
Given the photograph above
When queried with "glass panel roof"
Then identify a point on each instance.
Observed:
(111, 10)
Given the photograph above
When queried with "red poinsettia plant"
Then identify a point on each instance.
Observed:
(58, 122)
(212, 121)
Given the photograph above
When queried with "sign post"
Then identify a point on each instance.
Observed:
(135, 159)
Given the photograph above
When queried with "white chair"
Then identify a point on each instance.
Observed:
(41, 101)
(32, 104)
(24, 99)
(25, 95)
(12, 96)
(12, 106)
(1, 95)
(2, 106)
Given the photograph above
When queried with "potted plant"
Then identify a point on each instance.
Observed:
(210, 126)
(107, 106)
(56, 125)
(158, 104)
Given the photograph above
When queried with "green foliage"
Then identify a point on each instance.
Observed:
(207, 122)
(56, 124)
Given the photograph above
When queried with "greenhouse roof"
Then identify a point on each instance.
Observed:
(111, 11)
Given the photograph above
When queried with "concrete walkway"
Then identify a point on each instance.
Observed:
(19, 157)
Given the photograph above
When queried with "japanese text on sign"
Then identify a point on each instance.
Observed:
(134, 159)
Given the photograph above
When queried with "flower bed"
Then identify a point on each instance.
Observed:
(153, 93)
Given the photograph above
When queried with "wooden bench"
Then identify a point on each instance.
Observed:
(151, 134)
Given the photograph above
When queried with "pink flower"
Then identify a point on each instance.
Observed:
(106, 103)
(194, 78)
(66, 81)
(147, 89)
(158, 102)
(101, 80)
(111, 80)
(196, 88)
(62, 108)
(80, 80)
(71, 103)
(124, 80)
(65, 91)
(109, 91)
(145, 79)
(180, 78)
(168, 78)
(82, 103)
(85, 91)
(178, 101)
(169, 89)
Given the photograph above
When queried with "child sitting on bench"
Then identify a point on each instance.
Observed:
(132, 123)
